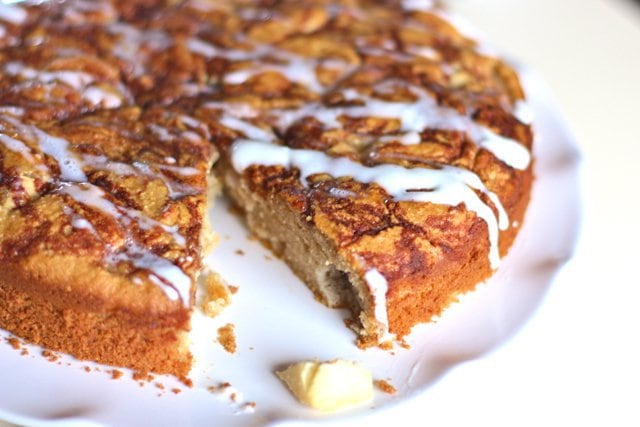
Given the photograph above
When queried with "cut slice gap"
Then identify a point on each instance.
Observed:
(309, 255)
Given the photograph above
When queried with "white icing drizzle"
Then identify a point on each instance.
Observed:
(341, 193)
(58, 148)
(203, 5)
(195, 124)
(448, 185)
(295, 70)
(78, 80)
(523, 112)
(78, 222)
(168, 276)
(191, 136)
(81, 223)
(162, 132)
(17, 146)
(506, 149)
(236, 110)
(91, 195)
(3, 31)
(176, 189)
(82, 6)
(249, 130)
(415, 117)
(408, 138)
(201, 47)
(195, 89)
(293, 67)
(180, 170)
(12, 13)
(419, 5)
(98, 96)
(424, 51)
(392, 53)
(13, 110)
(378, 287)
(130, 43)
(196, 133)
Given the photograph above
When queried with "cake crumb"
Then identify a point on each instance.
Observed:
(227, 337)
(176, 391)
(234, 397)
(159, 386)
(385, 386)
(217, 294)
(24, 351)
(233, 289)
(248, 408)
(87, 369)
(239, 252)
(116, 374)
(387, 345)
(142, 377)
(14, 343)
(218, 388)
(50, 355)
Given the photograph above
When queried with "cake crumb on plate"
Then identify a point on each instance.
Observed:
(227, 337)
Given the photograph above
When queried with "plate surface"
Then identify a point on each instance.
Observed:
(277, 321)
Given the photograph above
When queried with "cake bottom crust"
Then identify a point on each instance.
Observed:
(116, 338)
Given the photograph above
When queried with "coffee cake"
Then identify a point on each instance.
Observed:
(381, 153)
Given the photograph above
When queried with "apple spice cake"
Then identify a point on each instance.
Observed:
(383, 154)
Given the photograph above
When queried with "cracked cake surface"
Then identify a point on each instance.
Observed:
(380, 152)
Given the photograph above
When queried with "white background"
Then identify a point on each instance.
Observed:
(577, 361)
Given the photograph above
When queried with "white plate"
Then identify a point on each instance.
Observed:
(277, 322)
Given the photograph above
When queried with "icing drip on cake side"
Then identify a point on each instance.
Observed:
(378, 287)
